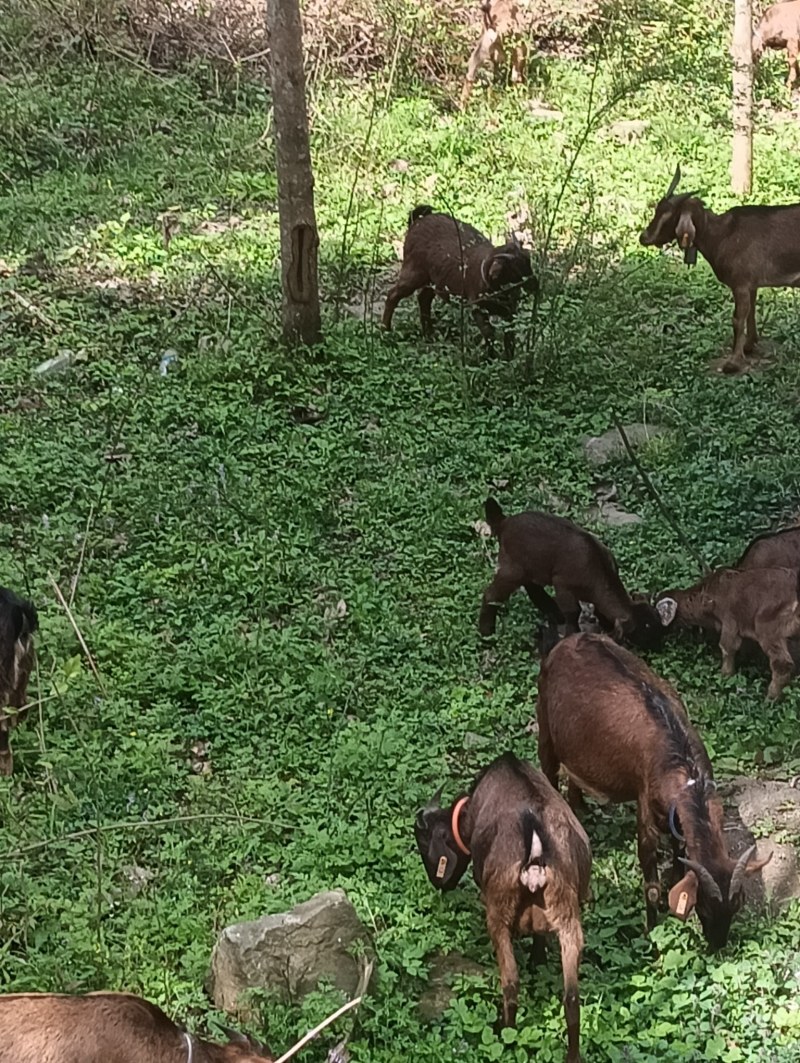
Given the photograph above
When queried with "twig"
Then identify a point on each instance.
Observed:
(10, 713)
(318, 1029)
(136, 824)
(74, 585)
(31, 308)
(657, 497)
(77, 631)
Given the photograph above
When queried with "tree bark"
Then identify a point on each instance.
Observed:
(742, 157)
(299, 236)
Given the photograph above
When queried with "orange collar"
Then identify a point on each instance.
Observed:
(457, 808)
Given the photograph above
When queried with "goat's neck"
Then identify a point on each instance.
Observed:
(707, 233)
(704, 840)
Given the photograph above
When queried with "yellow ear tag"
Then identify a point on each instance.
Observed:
(440, 870)
(683, 902)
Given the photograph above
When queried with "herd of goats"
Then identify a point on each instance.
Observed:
(531, 857)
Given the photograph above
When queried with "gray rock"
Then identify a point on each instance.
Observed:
(768, 813)
(289, 953)
(542, 112)
(439, 995)
(62, 361)
(472, 740)
(613, 515)
(600, 449)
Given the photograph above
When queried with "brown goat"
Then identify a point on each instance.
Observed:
(747, 247)
(773, 550)
(531, 860)
(500, 20)
(18, 623)
(622, 733)
(106, 1028)
(780, 28)
(538, 550)
(760, 604)
(444, 257)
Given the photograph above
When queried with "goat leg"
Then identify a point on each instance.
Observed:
(729, 642)
(425, 297)
(483, 50)
(647, 836)
(407, 283)
(781, 665)
(571, 940)
(544, 603)
(519, 63)
(6, 758)
(752, 333)
(481, 319)
(499, 590)
(741, 312)
(500, 934)
(792, 51)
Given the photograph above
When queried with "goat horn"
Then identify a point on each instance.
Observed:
(484, 278)
(737, 878)
(674, 182)
(705, 876)
(672, 828)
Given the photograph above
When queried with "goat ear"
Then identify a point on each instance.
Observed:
(685, 231)
(667, 609)
(683, 896)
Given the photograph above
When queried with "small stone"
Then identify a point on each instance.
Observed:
(600, 449)
(613, 515)
(439, 995)
(136, 878)
(472, 740)
(542, 113)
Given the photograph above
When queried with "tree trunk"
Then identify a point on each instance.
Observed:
(742, 159)
(299, 237)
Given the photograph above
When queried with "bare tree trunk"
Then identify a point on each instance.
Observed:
(742, 158)
(299, 236)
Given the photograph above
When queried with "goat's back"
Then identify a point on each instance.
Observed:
(780, 23)
(749, 598)
(501, 797)
(610, 720)
(773, 550)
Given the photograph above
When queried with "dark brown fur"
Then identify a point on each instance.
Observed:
(621, 733)
(773, 550)
(443, 256)
(780, 28)
(537, 551)
(510, 802)
(760, 604)
(18, 623)
(500, 20)
(104, 1028)
(747, 247)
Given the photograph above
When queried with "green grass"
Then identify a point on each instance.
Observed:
(210, 537)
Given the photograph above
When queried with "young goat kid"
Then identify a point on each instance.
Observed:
(747, 247)
(780, 28)
(760, 604)
(106, 1028)
(773, 550)
(621, 733)
(18, 623)
(444, 257)
(538, 550)
(500, 20)
(531, 860)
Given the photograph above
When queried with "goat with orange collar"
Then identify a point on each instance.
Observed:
(531, 860)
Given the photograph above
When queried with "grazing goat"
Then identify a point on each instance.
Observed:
(780, 28)
(773, 550)
(106, 1028)
(444, 257)
(539, 550)
(18, 622)
(747, 247)
(753, 603)
(500, 19)
(622, 733)
(531, 860)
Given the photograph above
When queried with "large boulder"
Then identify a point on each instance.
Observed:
(767, 812)
(290, 953)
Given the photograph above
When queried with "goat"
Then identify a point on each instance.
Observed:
(106, 1027)
(753, 603)
(621, 733)
(500, 19)
(531, 860)
(780, 28)
(18, 623)
(747, 248)
(779, 549)
(443, 256)
(539, 550)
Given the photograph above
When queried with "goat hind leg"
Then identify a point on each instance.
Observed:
(729, 642)
(792, 52)
(425, 297)
(500, 934)
(741, 312)
(482, 51)
(544, 603)
(571, 940)
(6, 758)
(781, 665)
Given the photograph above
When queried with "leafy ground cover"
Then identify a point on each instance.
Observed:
(270, 555)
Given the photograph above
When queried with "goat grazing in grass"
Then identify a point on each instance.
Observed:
(18, 623)
(621, 733)
(500, 21)
(747, 247)
(538, 550)
(531, 860)
(445, 257)
(106, 1028)
(760, 604)
(780, 28)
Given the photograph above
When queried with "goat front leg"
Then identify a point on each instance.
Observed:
(544, 603)
(6, 758)
(570, 938)
(481, 319)
(647, 837)
(741, 312)
(792, 52)
(752, 333)
(425, 297)
(519, 63)
(570, 608)
(406, 285)
(729, 642)
(781, 664)
(499, 590)
(483, 50)
(500, 934)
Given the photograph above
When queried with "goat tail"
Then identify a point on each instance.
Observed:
(27, 619)
(422, 211)
(533, 874)
(494, 515)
